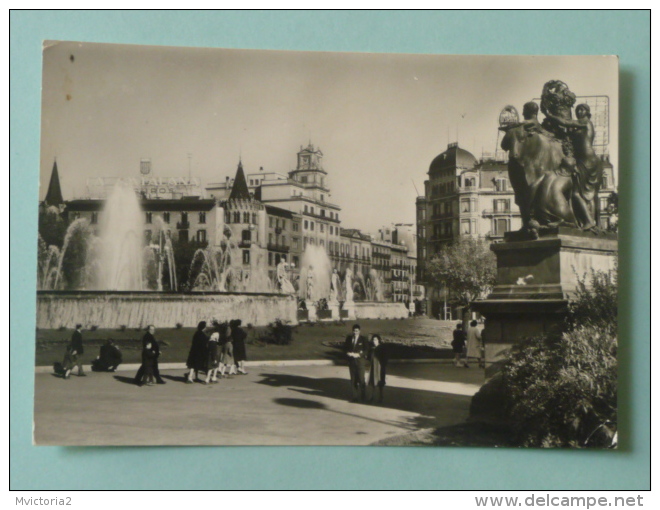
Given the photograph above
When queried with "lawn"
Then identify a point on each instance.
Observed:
(409, 338)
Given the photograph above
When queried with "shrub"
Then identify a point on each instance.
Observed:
(93, 328)
(278, 333)
(122, 327)
(179, 325)
(560, 391)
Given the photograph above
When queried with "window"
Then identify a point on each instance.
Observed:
(270, 238)
(201, 236)
(322, 197)
(295, 227)
(246, 236)
(296, 262)
(166, 217)
(246, 217)
(184, 218)
(237, 217)
(149, 217)
(246, 257)
(500, 184)
(322, 211)
(311, 210)
(465, 227)
(270, 258)
(465, 205)
(331, 230)
(95, 218)
(254, 218)
(295, 243)
(321, 226)
(306, 224)
(202, 217)
(605, 181)
(502, 205)
(303, 179)
(311, 225)
(501, 226)
(306, 209)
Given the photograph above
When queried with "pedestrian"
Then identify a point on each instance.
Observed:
(213, 361)
(228, 363)
(474, 343)
(356, 347)
(74, 352)
(109, 357)
(149, 338)
(149, 356)
(378, 357)
(458, 345)
(238, 337)
(197, 356)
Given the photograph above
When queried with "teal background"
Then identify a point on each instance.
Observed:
(623, 33)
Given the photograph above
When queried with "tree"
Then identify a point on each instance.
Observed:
(467, 267)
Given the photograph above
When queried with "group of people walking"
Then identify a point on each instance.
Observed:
(222, 352)
(360, 350)
(467, 344)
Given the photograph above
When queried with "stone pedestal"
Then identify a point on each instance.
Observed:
(535, 279)
(311, 310)
(333, 306)
(349, 307)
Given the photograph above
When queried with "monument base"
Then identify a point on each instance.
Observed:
(535, 280)
(311, 310)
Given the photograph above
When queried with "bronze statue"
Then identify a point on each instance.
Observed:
(553, 169)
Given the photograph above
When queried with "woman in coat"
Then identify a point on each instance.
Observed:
(474, 343)
(238, 337)
(378, 357)
(197, 356)
(213, 358)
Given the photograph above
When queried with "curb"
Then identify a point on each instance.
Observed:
(126, 367)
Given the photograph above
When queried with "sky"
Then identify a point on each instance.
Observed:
(379, 119)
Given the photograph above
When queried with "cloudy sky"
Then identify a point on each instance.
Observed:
(379, 118)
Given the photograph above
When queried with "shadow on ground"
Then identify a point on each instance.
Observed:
(433, 408)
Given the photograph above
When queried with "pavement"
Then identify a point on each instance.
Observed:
(274, 404)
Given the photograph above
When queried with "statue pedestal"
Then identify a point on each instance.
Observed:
(333, 306)
(349, 307)
(535, 279)
(311, 310)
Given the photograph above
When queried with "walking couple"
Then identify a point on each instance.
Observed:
(359, 350)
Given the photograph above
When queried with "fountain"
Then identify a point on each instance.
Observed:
(120, 263)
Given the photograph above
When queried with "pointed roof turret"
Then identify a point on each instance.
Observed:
(240, 188)
(54, 194)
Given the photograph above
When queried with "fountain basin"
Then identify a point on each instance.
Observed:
(138, 309)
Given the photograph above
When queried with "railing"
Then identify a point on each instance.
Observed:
(468, 188)
(491, 212)
(278, 247)
(182, 225)
(245, 243)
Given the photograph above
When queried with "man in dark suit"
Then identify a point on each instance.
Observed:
(149, 338)
(356, 347)
(74, 353)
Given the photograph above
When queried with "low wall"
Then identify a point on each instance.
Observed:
(164, 310)
(374, 310)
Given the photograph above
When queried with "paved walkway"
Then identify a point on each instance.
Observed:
(272, 405)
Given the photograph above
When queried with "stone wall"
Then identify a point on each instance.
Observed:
(163, 310)
(380, 310)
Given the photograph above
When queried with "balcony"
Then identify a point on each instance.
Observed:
(504, 210)
(183, 225)
(468, 189)
(246, 243)
(283, 248)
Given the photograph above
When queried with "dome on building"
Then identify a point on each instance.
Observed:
(454, 157)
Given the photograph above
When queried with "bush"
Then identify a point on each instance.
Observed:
(179, 325)
(561, 391)
(278, 333)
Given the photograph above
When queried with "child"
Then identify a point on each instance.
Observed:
(149, 363)
(458, 346)
(213, 359)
